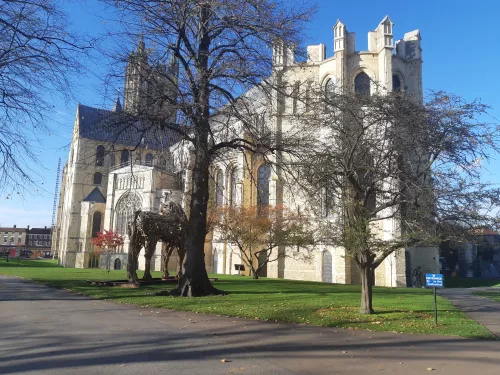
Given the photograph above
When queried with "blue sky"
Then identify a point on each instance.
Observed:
(460, 51)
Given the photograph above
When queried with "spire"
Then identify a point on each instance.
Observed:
(118, 105)
(339, 36)
(140, 45)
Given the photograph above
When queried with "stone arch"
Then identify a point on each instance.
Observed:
(328, 78)
(117, 265)
(124, 211)
(371, 75)
(397, 75)
(362, 84)
(327, 266)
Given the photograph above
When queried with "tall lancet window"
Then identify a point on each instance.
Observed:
(234, 186)
(99, 156)
(219, 188)
(124, 211)
(124, 157)
(149, 160)
(96, 223)
(362, 84)
(263, 175)
(396, 83)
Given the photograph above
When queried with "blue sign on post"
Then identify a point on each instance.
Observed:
(434, 280)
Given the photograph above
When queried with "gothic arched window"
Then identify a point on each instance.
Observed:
(124, 211)
(99, 156)
(149, 160)
(124, 157)
(263, 174)
(96, 223)
(396, 83)
(330, 87)
(219, 188)
(97, 178)
(362, 84)
(234, 186)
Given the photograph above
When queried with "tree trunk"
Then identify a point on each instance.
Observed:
(255, 274)
(194, 282)
(367, 276)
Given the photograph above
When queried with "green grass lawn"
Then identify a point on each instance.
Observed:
(493, 295)
(333, 305)
(468, 282)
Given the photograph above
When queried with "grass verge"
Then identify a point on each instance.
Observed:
(333, 305)
(469, 282)
(493, 295)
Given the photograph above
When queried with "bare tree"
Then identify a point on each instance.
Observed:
(223, 49)
(38, 55)
(392, 171)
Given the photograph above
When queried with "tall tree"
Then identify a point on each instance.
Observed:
(397, 171)
(223, 49)
(38, 55)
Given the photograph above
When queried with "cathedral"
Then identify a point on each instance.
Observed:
(110, 174)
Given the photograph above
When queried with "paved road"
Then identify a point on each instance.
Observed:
(48, 331)
(481, 309)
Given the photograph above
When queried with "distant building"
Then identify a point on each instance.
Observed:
(12, 240)
(39, 238)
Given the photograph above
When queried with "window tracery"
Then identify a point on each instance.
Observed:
(124, 211)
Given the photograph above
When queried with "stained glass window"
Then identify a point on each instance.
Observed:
(362, 84)
(124, 211)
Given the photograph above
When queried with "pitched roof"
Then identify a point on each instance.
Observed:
(122, 128)
(40, 230)
(95, 196)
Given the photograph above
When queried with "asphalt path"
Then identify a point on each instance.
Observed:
(483, 310)
(49, 331)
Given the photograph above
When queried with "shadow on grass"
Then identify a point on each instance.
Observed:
(31, 263)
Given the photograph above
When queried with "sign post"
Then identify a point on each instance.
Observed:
(434, 280)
